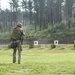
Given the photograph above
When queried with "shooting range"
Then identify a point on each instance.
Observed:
(37, 37)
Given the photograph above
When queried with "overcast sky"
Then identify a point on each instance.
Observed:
(5, 4)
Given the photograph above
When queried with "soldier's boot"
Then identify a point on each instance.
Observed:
(19, 62)
(19, 57)
(14, 59)
(19, 52)
(14, 56)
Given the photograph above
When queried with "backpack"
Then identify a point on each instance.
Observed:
(12, 45)
(16, 33)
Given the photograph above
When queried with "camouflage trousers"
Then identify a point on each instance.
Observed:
(19, 49)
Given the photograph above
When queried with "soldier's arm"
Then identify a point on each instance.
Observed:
(22, 32)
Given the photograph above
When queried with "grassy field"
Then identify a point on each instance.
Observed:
(37, 61)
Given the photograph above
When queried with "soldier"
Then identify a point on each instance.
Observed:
(17, 39)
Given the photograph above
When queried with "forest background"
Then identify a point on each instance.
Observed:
(40, 18)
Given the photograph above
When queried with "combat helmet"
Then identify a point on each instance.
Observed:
(19, 25)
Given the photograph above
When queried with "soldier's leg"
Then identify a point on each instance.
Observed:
(14, 55)
(19, 56)
(19, 53)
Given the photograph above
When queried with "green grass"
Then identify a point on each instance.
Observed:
(37, 61)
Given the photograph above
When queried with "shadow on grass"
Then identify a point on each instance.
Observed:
(3, 64)
(52, 48)
(8, 64)
(73, 49)
(62, 49)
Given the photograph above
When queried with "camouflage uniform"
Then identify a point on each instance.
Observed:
(17, 35)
